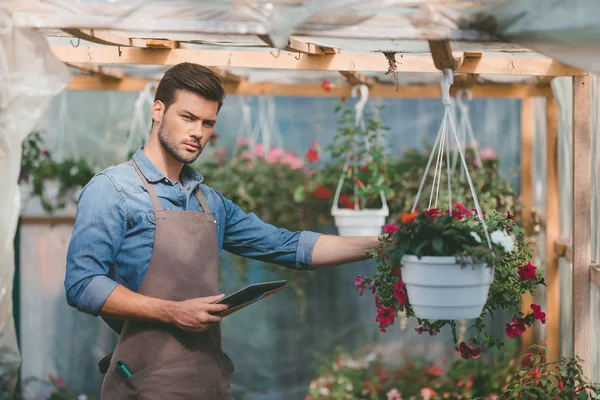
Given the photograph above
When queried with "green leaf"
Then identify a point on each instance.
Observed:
(438, 245)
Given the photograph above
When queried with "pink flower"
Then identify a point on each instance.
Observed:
(427, 393)
(246, 154)
(311, 172)
(271, 159)
(467, 351)
(435, 370)
(538, 314)
(372, 287)
(378, 303)
(360, 284)
(277, 152)
(259, 150)
(487, 154)
(385, 317)
(394, 394)
(250, 165)
(243, 141)
(393, 228)
(292, 161)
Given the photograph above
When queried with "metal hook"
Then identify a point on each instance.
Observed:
(298, 57)
(446, 82)
(278, 52)
(364, 97)
(75, 45)
(229, 59)
(119, 49)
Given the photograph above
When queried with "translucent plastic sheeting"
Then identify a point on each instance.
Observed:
(566, 30)
(29, 77)
(61, 340)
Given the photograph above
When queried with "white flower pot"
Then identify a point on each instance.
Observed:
(359, 222)
(440, 288)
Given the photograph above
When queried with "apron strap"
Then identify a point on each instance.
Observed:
(201, 199)
(150, 187)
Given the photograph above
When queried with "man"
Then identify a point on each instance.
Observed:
(145, 251)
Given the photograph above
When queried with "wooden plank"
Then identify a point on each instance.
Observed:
(441, 52)
(354, 78)
(582, 216)
(99, 36)
(527, 132)
(595, 274)
(295, 45)
(564, 248)
(552, 232)
(291, 61)
(109, 73)
(130, 84)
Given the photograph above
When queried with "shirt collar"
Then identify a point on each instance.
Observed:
(153, 174)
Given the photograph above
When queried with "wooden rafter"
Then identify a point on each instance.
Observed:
(295, 45)
(296, 61)
(564, 249)
(316, 90)
(441, 52)
(354, 78)
(95, 70)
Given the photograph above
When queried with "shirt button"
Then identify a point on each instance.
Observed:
(214, 221)
(180, 189)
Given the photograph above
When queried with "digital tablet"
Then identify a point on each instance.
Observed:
(250, 294)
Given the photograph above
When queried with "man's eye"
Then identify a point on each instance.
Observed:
(187, 117)
(209, 124)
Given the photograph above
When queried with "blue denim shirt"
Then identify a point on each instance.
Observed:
(114, 231)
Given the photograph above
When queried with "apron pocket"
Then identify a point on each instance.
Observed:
(174, 378)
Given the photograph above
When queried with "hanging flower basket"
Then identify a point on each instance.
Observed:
(359, 222)
(441, 288)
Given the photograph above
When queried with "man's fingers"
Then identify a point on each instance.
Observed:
(211, 299)
(213, 318)
(215, 307)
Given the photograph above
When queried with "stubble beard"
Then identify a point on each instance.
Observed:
(165, 139)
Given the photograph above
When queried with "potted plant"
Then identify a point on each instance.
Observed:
(437, 266)
(355, 173)
(542, 379)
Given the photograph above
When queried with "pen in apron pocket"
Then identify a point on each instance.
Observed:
(123, 370)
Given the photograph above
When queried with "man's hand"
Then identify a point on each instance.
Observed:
(196, 315)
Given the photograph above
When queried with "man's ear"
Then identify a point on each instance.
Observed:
(158, 111)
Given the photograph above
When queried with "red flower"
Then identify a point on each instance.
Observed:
(425, 328)
(400, 292)
(326, 85)
(510, 216)
(538, 314)
(467, 351)
(396, 271)
(360, 284)
(377, 302)
(432, 213)
(515, 328)
(408, 218)
(435, 370)
(322, 193)
(312, 155)
(393, 228)
(345, 201)
(460, 211)
(527, 272)
(385, 317)
(372, 287)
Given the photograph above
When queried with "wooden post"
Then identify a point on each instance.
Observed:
(582, 216)
(527, 338)
(552, 232)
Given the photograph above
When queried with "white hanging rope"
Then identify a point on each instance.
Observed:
(139, 129)
(465, 129)
(448, 128)
(359, 122)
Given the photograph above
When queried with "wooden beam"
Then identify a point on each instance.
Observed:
(130, 84)
(595, 274)
(354, 78)
(109, 73)
(552, 232)
(99, 36)
(441, 52)
(564, 248)
(527, 131)
(582, 216)
(295, 45)
(296, 61)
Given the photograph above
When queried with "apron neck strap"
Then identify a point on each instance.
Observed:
(151, 191)
(201, 199)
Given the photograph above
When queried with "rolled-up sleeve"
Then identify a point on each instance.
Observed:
(248, 236)
(98, 234)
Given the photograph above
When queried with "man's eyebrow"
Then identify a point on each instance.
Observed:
(196, 117)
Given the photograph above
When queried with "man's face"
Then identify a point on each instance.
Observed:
(187, 125)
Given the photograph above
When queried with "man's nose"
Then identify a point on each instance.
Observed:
(196, 132)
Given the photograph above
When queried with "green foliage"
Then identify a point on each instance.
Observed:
(542, 379)
(40, 170)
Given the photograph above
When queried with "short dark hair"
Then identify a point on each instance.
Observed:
(193, 77)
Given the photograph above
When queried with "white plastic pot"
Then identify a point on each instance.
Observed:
(440, 288)
(359, 222)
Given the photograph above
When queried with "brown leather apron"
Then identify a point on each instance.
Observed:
(167, 362)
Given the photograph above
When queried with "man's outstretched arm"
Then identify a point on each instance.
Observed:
(336, 250)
